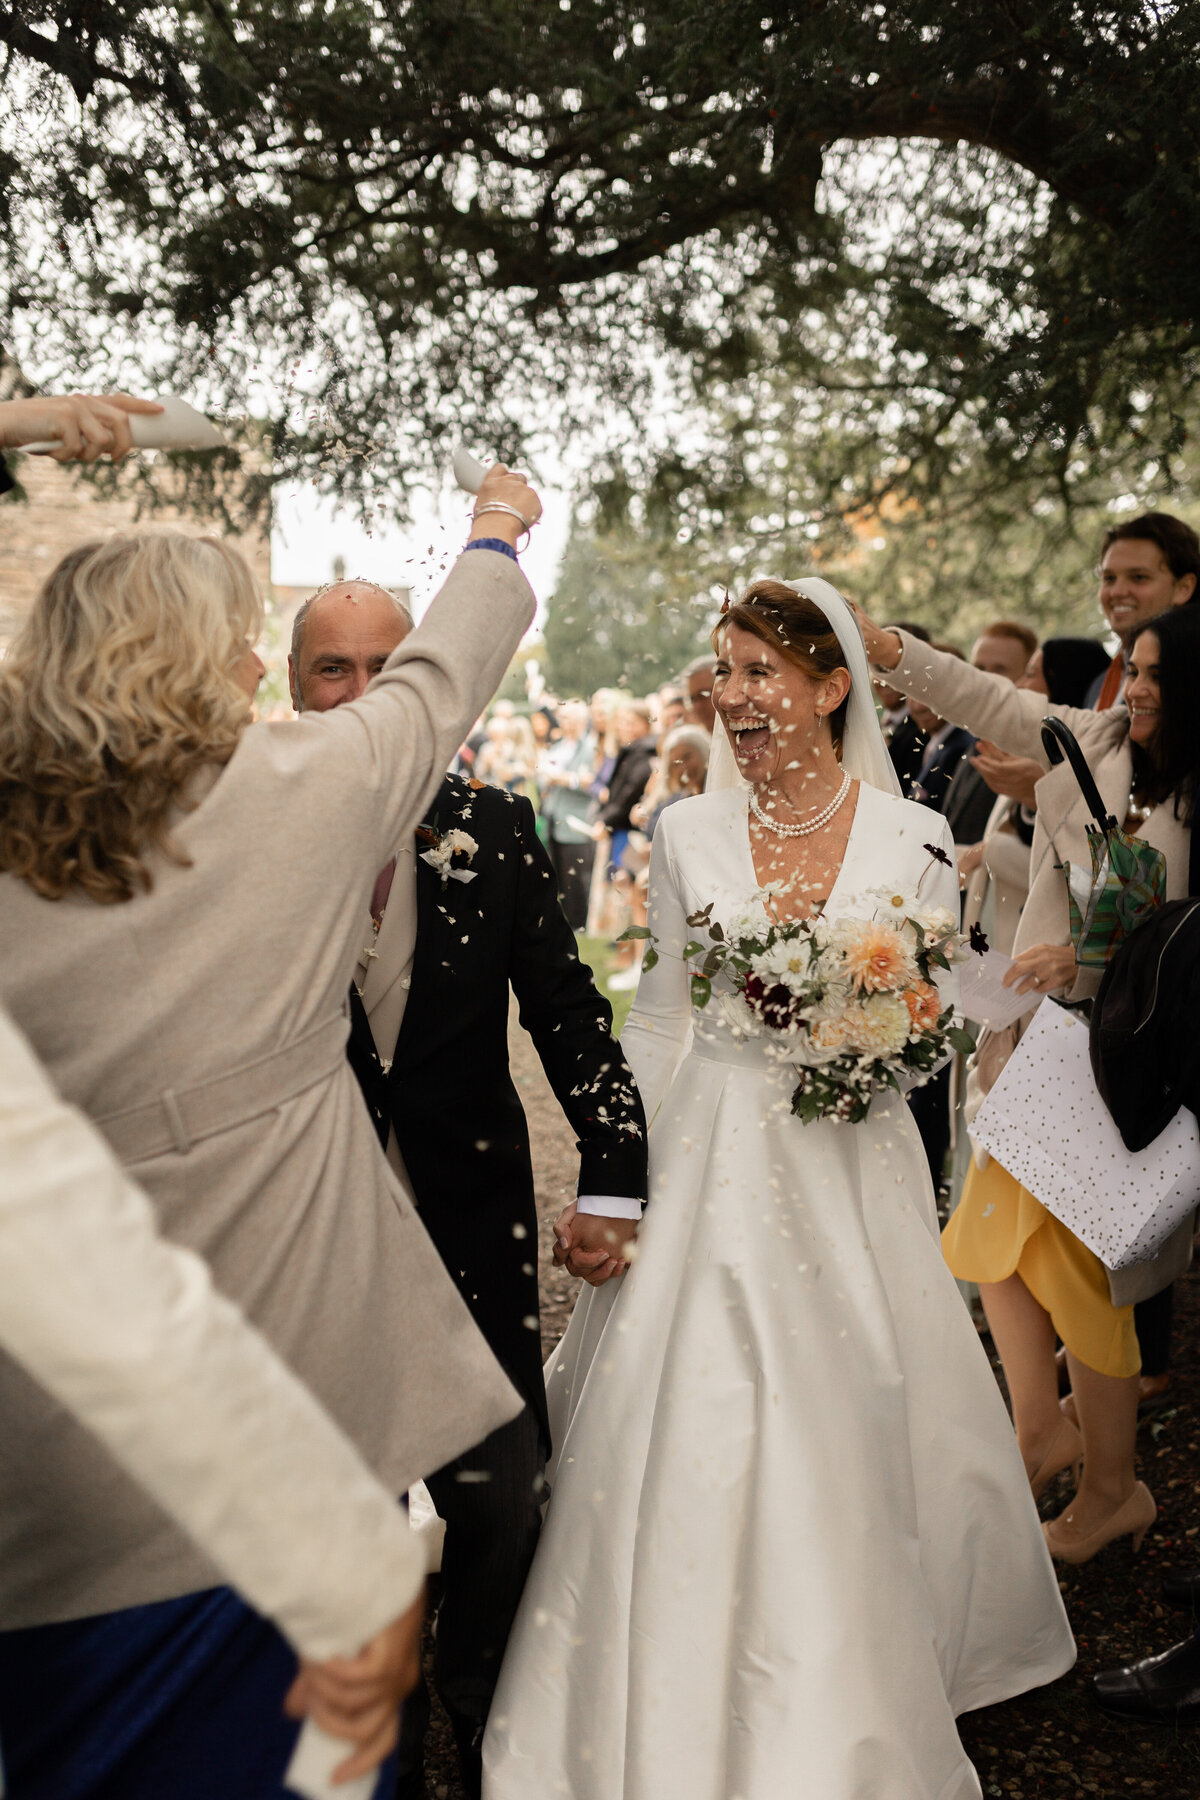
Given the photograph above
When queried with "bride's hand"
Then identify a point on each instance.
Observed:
(591, 1247)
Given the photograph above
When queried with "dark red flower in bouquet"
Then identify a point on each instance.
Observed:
(773, 1004)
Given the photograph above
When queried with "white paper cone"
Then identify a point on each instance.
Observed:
(177, 427)
(468, 470)
(315, 1758)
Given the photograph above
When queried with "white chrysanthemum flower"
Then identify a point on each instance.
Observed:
(741, 1019)
(745, 921)
(881, 1025)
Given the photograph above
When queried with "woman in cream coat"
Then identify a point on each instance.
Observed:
(1036, 1278)
(177, 937)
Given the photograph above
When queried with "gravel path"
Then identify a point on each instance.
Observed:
(1052, 1744)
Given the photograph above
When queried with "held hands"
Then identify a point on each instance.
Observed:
(502, 488)
(1046, 969)
(1016, 777)
(592, 1247)
(85, 426)
(358, 1697)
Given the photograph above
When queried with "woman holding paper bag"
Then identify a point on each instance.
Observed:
(1036, 1278)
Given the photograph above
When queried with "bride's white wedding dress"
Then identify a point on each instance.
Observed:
(790, 1535)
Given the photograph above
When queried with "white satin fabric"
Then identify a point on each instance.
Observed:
(864, 753)
(790, 1536)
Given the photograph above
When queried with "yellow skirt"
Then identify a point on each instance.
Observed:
(998, 1229)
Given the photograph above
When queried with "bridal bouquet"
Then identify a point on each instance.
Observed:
(851, 1004)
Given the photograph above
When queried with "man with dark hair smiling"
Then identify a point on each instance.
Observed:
(1147, 565)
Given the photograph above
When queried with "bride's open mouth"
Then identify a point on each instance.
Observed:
(750, 737)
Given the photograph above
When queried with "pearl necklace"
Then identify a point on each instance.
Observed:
(814, 824)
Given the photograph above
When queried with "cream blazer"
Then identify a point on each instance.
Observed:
(991, 707)
(127, 1331)
(202, 1026)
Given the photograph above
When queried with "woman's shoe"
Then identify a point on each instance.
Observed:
(1134, 1517)
(1065, 1452)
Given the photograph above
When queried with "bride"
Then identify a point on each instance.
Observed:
(790, 1535)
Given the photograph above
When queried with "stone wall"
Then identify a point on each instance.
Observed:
(63, 509)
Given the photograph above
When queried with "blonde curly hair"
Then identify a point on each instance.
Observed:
(122, 683)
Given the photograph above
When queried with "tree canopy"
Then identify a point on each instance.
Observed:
(918, 231)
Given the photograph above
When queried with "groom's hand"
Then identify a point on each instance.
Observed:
(592, 1247)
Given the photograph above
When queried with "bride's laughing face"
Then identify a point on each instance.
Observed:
(774, 713)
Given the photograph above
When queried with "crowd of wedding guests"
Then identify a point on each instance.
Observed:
(1083, 1348)
(189, 911)
(599, 773)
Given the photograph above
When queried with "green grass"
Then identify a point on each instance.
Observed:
(602, 961)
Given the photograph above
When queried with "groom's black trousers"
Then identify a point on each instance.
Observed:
(490, 1500)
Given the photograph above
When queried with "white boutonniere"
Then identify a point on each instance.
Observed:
(448, 853)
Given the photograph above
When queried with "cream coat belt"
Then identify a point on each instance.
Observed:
(180, 1117)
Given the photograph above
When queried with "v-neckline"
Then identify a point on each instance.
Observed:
(756, 886)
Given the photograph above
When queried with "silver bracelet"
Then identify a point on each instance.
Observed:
(502, 506)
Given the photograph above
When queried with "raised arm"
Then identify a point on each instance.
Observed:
(987, 705)
(369, 769)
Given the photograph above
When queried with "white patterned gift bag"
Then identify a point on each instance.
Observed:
(1044, 1122)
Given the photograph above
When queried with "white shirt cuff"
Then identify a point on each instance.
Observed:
(609, 1206)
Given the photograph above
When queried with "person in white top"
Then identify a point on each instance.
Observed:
(128, 1331)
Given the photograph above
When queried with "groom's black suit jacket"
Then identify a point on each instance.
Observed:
(449, 1092)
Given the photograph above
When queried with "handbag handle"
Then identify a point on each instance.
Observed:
(1058, 738)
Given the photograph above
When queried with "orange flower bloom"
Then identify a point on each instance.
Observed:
(924, 1005)
(878, 958)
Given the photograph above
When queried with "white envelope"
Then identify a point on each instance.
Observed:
(984, 995)
(1044, 1122)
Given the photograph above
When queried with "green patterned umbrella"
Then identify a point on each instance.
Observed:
(1128, 877)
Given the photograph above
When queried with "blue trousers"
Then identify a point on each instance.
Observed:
(180, 1700)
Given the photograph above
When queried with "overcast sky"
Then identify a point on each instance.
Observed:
(309, 532)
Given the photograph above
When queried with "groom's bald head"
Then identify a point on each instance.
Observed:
(341, 638)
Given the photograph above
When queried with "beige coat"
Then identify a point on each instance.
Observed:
(127, 1331)
(1003, 875)
(991, 707)
(203, 1027)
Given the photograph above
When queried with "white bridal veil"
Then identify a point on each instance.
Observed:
(864, 753)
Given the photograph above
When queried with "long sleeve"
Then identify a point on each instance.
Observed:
(988, 705)
(571, 1027)
(127, 1331)
(659, 1026)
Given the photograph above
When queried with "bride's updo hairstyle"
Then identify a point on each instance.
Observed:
(798, 629)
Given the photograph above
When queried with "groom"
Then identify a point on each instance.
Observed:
(466, 908)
